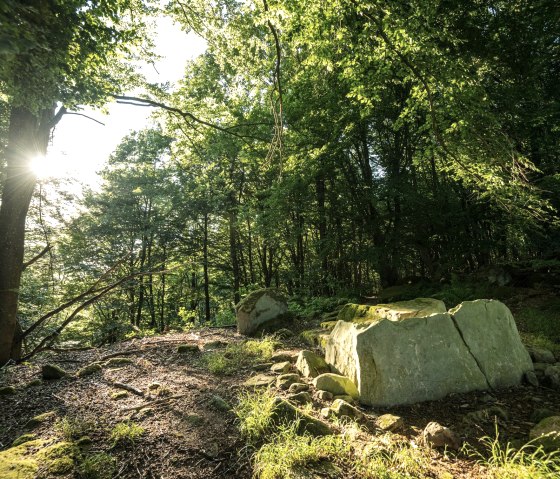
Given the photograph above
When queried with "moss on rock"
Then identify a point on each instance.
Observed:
(40, 419)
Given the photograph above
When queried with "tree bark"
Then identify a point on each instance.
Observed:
(28, 137)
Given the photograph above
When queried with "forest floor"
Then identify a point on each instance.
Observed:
(187, 434)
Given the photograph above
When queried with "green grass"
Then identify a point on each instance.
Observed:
(239, 355)
(507, 462)
(72, 428)
(126, 433)
(97, 466)
(254, 412)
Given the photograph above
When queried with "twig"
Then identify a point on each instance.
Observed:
(85, 116)
(36, 258)
(126, 387)
(121, 353)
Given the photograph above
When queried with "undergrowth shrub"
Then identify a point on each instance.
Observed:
(238, 355)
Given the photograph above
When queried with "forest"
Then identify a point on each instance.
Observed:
(338, 152)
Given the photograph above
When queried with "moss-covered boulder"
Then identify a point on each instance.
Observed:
(23, 461)
(51, 372)
(311, 365)
(547, 433)
(262, 309)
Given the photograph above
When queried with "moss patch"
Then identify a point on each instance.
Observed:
(248, 303)
(40, 419)
(23, 439)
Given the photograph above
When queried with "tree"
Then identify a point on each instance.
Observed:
(68, 53)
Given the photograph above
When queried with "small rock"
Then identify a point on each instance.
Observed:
(488, 398)
(260, 380)
(262, 367)
(281, 356)
(281, 367)
(343, 409)
(552, 376)
(531, 379)
(283, 333)
(541, 355)
(311, 365)
(540, 367)
(89, 370)
(50, 371)
(7, 391)
(220, 403)
(547, 433)
(345, 397)
(153, 386)
(325, 395)
(23, 439)
(301, 398)
(284, 381)
(542, 413)
(298, 387)
(118, 395)
(34, 383)
(187, 348)
(389, 422)
(116, 362)
(336, 384)
(437, 435)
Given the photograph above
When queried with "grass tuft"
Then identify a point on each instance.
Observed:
(238, 355)
(255, 414)
(71, 428)
(126, 433)
(97, 466)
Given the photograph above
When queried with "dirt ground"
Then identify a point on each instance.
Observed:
(187, 437)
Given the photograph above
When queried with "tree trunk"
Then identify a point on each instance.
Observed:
(206, 279)
(28, 137)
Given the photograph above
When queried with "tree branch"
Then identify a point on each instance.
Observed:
(36, 258)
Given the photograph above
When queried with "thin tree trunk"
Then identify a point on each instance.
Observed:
(206, 280)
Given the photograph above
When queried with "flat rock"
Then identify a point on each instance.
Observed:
(343, 409)
(281, 368)
(547, 433)
(336, 384)
(301, 398)
(89, 370)
(416, 308)
(389, 422)
(260, 380)
(284, 381)
(311, 365)
(187, 348)
(50, 371)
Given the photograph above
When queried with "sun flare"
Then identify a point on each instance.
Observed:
(52, 166)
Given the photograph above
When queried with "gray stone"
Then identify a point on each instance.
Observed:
(281, 367)
(298, 387)
(336, 384)
(50, 371)
(260, 380)
(413, 359)
(310, 365)
(345, 397)
(259, 307)
(547, 433)
(552, 376)
(541, 355)
(284, 381)
(389, 422)
(540, 367)
(284, 412)
(301, 398)
(281, 356)
(436, 435)
(262, 367)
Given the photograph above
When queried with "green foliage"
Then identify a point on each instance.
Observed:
(316, 306)
(541, 321)
(507, 462)
(126, 433)
(239, 355)
(73, 428)
(97, 466)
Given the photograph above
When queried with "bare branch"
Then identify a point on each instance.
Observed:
(36, 258)
(85, 116)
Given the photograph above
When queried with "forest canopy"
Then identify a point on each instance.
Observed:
(325, 148)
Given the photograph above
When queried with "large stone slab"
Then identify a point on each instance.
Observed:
(265, 306)
(401, 359)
